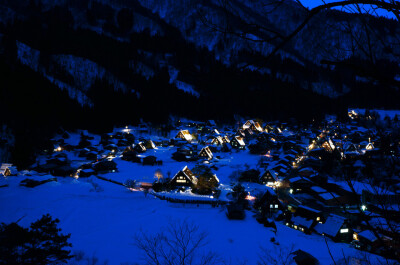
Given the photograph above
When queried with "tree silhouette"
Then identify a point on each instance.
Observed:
(41, 243)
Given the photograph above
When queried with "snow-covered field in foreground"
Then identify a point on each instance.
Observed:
(104, 223)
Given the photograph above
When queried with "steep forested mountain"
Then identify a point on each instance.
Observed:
(99, 63)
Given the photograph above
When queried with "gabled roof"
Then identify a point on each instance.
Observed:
(188, 174)
(309, 209)
(239, 140)
(332, 225)
(318, 189)
(328, 196)
(368, 234)
(207, 150)
(298, 220)
(217, 140)
(4, 166)
(212, 122)
(140, 146)
(184, 134)
(269, 172)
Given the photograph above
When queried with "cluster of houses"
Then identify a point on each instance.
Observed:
(329, 189)
(315, 176)
(319, 175)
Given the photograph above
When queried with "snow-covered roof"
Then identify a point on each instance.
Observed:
(207, 150)
(190, 176)
(212, 122)
(309, 209)
(249, 123)
(295, 179)
(298, 220)
(368, 234)
(4, 166)
(240, 140)
(318, 189)
(332, 225)
(328, 195)
(306, 169)
(184, 134)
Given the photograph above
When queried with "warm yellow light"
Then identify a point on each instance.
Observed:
(250, 198)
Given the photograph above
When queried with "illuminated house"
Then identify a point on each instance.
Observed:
(8, 170)
(268, 129)
(149, 144)
(335, 227)
(305, 218)
(226, 140)
(369, 146)
(238, 143)
(184, 177)
(268, 178)
(206, 153)
(268, 203)
(185, 135)
(328, 146)
(253, 126)
(302, 224)
(140, 148)
(216, 140)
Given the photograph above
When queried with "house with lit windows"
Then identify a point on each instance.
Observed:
(184, 177)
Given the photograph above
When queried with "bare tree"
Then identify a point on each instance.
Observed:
(276, 256)
(179, 243)
(389, 5)
(364, 39)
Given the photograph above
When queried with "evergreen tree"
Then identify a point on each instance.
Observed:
(41, 243)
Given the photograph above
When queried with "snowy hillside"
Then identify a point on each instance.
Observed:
(124, 213)
(190, 24)
(104, 217)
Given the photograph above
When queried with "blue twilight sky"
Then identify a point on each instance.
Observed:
(313, 3)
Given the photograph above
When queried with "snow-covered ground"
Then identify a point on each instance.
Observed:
(103, 223)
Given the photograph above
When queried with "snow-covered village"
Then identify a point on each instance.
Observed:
(199, 132)
(262, 192)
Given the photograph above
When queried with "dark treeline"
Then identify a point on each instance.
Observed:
(35, 108)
